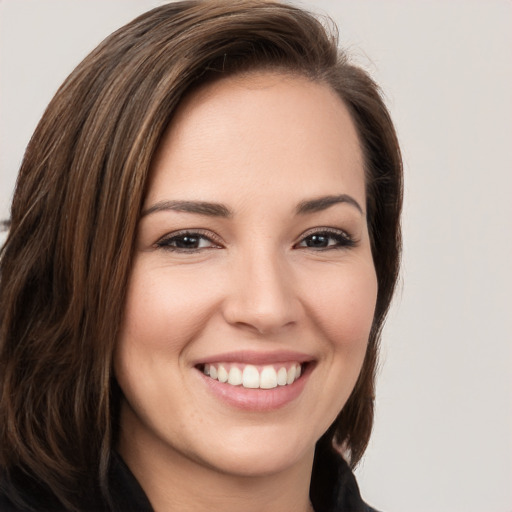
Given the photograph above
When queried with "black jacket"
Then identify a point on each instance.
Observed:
(336, 491)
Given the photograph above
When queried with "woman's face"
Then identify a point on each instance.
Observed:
(252, 261)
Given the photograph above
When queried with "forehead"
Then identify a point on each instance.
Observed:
(260, 132)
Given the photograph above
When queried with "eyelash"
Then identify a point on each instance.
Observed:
(341, 238)
(198, 234)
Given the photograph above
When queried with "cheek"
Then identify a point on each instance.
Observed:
(164, 309)
(343, 306)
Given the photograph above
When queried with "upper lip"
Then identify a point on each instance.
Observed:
(254, 357)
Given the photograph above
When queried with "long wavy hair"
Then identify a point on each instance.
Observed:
(67, 257)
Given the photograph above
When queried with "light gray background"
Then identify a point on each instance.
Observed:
(443, 432)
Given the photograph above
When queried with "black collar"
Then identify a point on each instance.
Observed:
(333, 489)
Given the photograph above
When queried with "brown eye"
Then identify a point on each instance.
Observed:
(327, 240)
(317, 241)
(186, 242)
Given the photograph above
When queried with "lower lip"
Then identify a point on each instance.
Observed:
(258, 400)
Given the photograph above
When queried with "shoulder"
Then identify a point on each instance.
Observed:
(126, 493)
(6, 505)
(333, 484)
(10, 499)
(26, 500)
(21, 493)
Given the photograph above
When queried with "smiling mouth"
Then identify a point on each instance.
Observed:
(254, 376)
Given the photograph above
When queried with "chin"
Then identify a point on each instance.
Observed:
(261, 451)
(253, 462)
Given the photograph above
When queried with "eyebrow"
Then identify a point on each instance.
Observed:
(322, 203)
(199, 207)
(220, 210)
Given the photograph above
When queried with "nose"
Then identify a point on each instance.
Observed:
(262, 295)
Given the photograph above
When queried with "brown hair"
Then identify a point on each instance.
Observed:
(65, 263)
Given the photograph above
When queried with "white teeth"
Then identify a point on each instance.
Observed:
(222, 374)
(282, 376)
(251, 377)
(235, 376)
(268, 378)
(291, 374)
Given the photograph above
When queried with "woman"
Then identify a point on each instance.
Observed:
(204, 243)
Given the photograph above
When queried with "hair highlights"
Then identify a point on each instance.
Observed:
(65, 264)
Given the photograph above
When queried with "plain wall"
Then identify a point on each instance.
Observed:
(443, 431)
